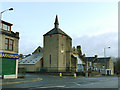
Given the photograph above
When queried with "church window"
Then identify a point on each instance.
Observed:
(50, 60)
(39, 50)
(70, 44)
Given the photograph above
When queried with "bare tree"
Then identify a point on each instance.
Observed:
(84, 60)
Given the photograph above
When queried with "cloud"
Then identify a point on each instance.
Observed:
(92, 45)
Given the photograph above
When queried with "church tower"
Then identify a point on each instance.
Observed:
(57, 50)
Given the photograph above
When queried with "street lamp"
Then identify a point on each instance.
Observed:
(3, 12)
(6, 10)
(10, 9)
(105, 51)
(104, 58)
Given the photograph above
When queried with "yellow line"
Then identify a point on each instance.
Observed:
(7, 83)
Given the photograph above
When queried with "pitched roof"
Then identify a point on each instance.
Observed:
(102, 60)
(38, 50)
(90, 59)
(56, 30)
(33, 59)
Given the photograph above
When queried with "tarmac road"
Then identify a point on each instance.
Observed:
(50, 81)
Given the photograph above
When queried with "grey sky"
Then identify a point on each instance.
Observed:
(93, 25)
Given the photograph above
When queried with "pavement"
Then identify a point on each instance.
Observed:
(52, 81)
(26, 79)
(17, 81)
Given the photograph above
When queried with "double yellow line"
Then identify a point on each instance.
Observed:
(7, 83)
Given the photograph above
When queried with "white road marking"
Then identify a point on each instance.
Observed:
(53, 86)
(76, 83)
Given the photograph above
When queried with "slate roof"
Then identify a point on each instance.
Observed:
(102, 60)
(90, 59)
(33, 59)
(56, 30)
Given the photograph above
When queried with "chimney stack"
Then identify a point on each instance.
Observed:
(96, 56)
(17, 34)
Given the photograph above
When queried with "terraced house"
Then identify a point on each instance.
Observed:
(103, 65)
(9, 42)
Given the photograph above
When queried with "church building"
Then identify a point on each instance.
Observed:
(57, 50)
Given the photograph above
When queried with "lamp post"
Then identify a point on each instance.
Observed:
(10, 9)
(105, 60)
(0, 31)
(6, 10)
(105, 51)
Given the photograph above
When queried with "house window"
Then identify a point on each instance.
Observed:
(5, 27)
(103, 67)
(8, 28)
(9, 44)
(6, 43)
(95, 64)
(90, 64)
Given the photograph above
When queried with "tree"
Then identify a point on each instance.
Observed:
(83, 58)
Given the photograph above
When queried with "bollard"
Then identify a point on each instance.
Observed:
(74, 74)
(60, 74)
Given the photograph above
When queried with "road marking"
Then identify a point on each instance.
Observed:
(53, 86)
(7, 83)
(76, 83)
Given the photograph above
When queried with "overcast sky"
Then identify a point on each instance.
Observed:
(93, 25)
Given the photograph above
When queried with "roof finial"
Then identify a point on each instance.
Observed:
(56, 22)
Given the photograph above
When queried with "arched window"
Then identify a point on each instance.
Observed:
(50, 60)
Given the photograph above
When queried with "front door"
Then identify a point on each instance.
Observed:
(107, 72)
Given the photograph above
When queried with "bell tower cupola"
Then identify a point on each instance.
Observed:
(56, 22)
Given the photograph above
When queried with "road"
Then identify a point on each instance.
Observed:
(50, 81)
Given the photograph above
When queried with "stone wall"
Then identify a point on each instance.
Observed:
(15, 45)
(59, 47)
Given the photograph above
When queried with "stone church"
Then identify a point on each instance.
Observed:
(57, 50)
